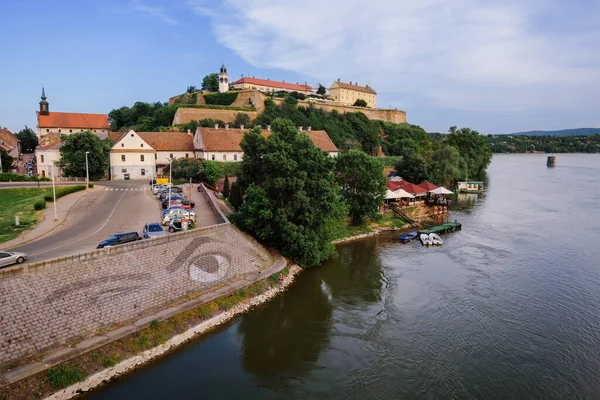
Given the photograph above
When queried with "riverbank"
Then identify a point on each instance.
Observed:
(102, 364)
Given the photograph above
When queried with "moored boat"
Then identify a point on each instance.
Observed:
(408, 237)
(470, 187)
(436, 239)
(425, 239)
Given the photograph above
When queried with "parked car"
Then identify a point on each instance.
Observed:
(120, 238)
(11, 257)
(159, 187)
(165, 195)
(188, 202)
(152, 229)
(178, 213)
(177, 224)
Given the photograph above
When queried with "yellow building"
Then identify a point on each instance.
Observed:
(268, 86)
(348, 93)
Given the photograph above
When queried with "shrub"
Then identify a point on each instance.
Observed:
(39, 205)
(64, 375)
(220, 99)
(215, 107)
(91, 185)
(63, 191)
(11, 176)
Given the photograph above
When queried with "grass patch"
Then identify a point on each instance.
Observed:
(230, 168)
(346, 229)
(108, 362)
(64, 375)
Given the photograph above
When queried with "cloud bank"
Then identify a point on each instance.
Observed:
(468, 55)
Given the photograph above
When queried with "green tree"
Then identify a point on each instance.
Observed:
(236, 197)
(6, 159)
(413, 168)
(191, 89)
(473, 148)
(447, 166)
(211, 82)
(29, 140)
(321, 90)
(360, 103)
(292, 200)
(363, 184)
(226, 187)
(241, 119)
(210, 172)
(72, 154)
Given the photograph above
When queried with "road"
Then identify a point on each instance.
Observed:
(122, 206)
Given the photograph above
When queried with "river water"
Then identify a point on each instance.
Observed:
(507, 308)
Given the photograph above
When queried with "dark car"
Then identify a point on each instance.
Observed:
(188, 202)
(120, 238)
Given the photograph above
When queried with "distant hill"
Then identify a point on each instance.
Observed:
(564, 132)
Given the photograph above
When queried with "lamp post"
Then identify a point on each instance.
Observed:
(87, 173)
(53, 192)
(170, 178)
(0, 162)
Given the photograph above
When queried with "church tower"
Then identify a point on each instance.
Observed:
(223, 80)
(44, 106)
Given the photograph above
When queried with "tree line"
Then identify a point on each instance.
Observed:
(546, 144)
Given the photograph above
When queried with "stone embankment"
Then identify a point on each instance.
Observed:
(374, 232)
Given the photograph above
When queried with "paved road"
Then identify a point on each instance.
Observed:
(124, 206)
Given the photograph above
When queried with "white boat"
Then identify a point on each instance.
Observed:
(436, 239)
(425, 239)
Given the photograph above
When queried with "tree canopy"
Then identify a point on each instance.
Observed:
(211, 82)
(363, 185)
(321, 90)
(72, 154)
(291, 197)
(6, 160)
(143, 117)
(360, 103)
(29, 140)
(473, 148)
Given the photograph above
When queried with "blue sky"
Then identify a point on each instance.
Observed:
(495, 66)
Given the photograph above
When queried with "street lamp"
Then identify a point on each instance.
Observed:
(87, 173)
(170, 178)
(53, 192)
(0, 162)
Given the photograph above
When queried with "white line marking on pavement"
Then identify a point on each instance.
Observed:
(91, 234)
(106, 189)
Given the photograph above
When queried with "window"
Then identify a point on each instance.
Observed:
(47, 130)
(143, 170)
(132, 135)
(59, 131)
(213, 157)
(42, 158)
(123, 158)
(124, 170)
(235, 157)
(70, 130)
(141, 144)
(142, 158)
(156, 156)
(170, 155)
(187, 155)
(224, 157)
(122, 144)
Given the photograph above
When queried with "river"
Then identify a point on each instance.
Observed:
(507, 308)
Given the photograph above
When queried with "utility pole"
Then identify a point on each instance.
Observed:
(87, 173)
(53, 193)
(170, 178)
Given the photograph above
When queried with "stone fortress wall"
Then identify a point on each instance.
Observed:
(49, 304)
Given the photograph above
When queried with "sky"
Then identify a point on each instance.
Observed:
(494, 66)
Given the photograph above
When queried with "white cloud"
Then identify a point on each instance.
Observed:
(464, 54)
(155, 12)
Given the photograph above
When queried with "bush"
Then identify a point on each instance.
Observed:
(49, 198)
(39, 205)
(11, 176)
(220, 99)
(91, 185)
(64, 375)
(63, 191)
(215, 107)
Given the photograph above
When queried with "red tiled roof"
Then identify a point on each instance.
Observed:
(356, 88)
(7, 139)
(161, 141)
(273, 84)
(73, 120)
(409, 187)
(222, 139)
(428, 185)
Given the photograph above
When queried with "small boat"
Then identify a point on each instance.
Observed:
(425, 239)
(436, 239)
(408, 237)
(470, 187)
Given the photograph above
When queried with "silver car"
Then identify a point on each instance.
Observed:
(153, 229)
(10, 257)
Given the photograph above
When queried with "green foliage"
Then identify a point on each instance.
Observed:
(154, 324)
(205, 123)
(220, 99)
(63, 191)
(547, 143)
(226, 187)
(404, 138)
(73, 151)
(413, 168)
(191, 89)
(29, 140)
(446, 166)
(210, 172)
(360, 103)
(64, 375)
(19, 202)
(291, 198)
(39, 205)
(241, 119)
(108, 362)
(473, 148)
(321, 90)
(215, 106)
(363, 184)
(6, 160)
(91, 185)
(142, 116)
(12, 177)
(211, 82)
(297, 96)
(236, 197)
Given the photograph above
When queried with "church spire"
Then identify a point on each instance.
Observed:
(44, 106)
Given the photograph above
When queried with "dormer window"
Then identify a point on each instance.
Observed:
(122, 144)
(141, 144)
(132, 135)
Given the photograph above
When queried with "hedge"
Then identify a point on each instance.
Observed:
(11, 176)
(220, 99)
(215, 107)
(63, 191)
(39, 205)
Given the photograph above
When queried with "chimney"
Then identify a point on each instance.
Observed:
(338, 79)
(189, 132)
(226, 126)
(351, 82)
(309, 128)
(242, 75)
(268, 127)
(299, 129)
(242, 127)
(216, 126)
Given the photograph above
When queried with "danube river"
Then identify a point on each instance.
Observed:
(507, 308)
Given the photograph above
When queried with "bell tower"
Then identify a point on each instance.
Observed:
(223, 80)
(44, 106)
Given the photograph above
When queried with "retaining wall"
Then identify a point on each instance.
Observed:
(187, 115)
(51, 303)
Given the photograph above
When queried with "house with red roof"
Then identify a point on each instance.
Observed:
(269, 86)
(10, 143)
